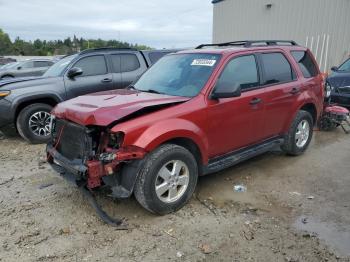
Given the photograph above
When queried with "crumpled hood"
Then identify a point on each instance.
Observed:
(104, 108)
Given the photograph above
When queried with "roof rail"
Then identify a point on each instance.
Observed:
(251, 43)
(101, 49)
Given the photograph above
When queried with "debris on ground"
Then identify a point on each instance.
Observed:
(42, 186)
(6, 181)
(65, 231)
(295, 193)
(304, 220)
(240, 188)
(205, 248)
(179, 254)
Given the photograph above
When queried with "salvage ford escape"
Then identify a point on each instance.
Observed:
(193, 113)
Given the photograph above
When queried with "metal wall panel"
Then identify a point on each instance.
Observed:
(321, 25)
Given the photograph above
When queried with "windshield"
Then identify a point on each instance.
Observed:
(345, 66)
(178, 74)
(58, 68)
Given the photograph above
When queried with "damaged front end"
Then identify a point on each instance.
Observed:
(93, 157)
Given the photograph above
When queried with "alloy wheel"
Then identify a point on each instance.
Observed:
(39, 123)
(172, 181)
(302, 134)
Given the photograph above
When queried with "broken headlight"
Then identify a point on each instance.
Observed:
(116, 140)
(327, 90)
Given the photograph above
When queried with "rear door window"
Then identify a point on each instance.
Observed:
(129, 62)
(241, 71)
(276, 68)
(305, 62)
(92, 65)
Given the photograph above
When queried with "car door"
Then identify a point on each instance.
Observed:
(132, 67)
(95, 76)
(282, 90)
(235, 122)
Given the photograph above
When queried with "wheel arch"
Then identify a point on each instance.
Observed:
(311, 108)
(191, 146)
(7, 75)
(51, 100)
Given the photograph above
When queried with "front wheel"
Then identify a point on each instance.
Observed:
(167, 179)
(33, 123)
(299, 135)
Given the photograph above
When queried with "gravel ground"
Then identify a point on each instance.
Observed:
(294, 209)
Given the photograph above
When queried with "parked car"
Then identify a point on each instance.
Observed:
(193, 113)
(27, 102)
(6, 60)
(338, 84)
(31, 67)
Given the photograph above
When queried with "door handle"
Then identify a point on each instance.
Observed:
(106, 80)
(295, 90)
(255, 101)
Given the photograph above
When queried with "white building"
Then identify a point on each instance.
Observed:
(321, 25)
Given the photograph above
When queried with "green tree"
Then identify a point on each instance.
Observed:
(5, 43)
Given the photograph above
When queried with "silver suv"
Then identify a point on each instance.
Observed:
(32, 67)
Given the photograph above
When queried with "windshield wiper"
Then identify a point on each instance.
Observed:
(131, 87)
(152, 91)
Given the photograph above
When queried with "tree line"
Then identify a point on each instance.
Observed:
(56, 47)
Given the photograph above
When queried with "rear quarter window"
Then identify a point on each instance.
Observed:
(129, 62)
(305, 62)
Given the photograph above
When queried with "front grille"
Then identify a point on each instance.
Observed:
(73, 141)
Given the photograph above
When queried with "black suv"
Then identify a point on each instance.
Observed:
(338, 84)
(26, 103)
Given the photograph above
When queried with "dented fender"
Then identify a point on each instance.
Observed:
(166, 130)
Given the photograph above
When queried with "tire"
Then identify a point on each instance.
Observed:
(291, 145)
(163, 158)
(24, 128)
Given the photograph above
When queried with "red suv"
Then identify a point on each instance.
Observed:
(192, 113)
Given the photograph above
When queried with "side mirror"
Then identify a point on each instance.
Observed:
(19, 68)
(226, 90)
(334, 68)
(75, 71)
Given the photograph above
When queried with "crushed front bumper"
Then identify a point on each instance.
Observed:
(95, 173)
(72, 171)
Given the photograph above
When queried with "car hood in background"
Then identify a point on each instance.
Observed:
(105, 108)
(340, 80)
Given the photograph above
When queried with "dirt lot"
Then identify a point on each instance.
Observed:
(294, 209)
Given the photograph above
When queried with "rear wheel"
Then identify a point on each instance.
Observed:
(299, 135)
(167, 179)
(33, 123)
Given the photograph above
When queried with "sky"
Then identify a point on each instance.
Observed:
(156, 23)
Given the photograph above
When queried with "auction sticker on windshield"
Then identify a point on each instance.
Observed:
(203, 62)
